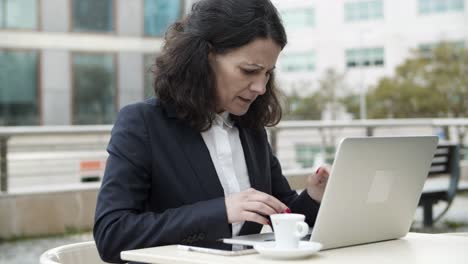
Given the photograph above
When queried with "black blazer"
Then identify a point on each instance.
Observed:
(160, 186)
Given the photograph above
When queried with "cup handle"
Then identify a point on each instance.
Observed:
(302, 228)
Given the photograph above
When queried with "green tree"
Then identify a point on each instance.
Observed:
(448, 74)
(433, 84)
(404, 99)
(351, 102)
(310, 107)
(331, 86)
(302, 107)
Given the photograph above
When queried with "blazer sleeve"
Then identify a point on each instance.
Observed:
(302, 203)
(122, 221)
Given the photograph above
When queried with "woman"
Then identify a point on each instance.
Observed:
(195, 164)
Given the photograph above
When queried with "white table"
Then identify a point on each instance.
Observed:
(415, 248)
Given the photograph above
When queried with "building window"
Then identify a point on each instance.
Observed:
(366, 57)
(149, 63)
(298, 62)
(298, 18)
(440, 6)
(159, 15)
(93, 16)
(94, 91)
(19, 103)
(427, 48)
(308, 155)
(305, 155)
(363, 10)
(18, 14)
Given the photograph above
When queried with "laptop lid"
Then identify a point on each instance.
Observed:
(372, 192)
(373, 189)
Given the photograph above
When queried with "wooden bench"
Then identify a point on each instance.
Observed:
(443, 182)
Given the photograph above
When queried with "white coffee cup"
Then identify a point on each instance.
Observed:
(289, 229)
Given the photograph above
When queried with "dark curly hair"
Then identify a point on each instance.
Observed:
(183, 75)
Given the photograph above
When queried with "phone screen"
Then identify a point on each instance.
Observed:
(218, 247)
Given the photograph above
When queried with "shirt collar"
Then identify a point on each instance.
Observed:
(224, 118)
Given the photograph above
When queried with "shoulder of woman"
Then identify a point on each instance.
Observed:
(149, 106)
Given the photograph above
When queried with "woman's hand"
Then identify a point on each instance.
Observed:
(252, 205)
(317, 182)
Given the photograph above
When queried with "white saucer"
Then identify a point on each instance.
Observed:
(269, 249)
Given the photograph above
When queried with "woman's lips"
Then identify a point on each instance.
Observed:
(246, 100)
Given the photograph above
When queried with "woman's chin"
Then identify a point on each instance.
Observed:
(239, 112)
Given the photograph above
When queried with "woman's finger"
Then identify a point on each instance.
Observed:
(313, 179)
(323, 178)
(321, 171)
(253, 217)
(259, 208)
(269, 200)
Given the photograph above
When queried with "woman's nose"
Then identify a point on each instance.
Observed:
(259, 85)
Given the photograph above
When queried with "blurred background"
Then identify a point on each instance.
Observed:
(351, 68)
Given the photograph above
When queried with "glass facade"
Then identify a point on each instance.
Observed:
(440, 6)
(298, 18)
(363, 10)
(93, 16)
(298, 62)
(18, 14)
(159, 15)
(365, 57)
(149, 61)
(94, 89)
(19, 96)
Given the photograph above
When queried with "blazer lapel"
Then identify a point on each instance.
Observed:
(197, 155)
(255, 176)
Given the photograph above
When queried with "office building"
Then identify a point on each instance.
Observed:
(72, 62)
(365, 39)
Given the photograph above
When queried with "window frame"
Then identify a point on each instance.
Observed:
(71, 25)
(304, 11)
(308, 151)
(115, 58)
(426, 48)
(365, 57)
(357, 15)
(300, 67)
(181, 15)
(38, 20)
(39, 91)
(431, 8)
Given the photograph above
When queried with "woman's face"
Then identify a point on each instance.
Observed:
(242, 74)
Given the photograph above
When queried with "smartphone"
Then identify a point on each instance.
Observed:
(218, 248)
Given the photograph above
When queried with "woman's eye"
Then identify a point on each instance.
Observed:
(249, 72)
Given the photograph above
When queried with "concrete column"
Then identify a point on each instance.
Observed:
(56, 87)
(129, 17)
(55, 15)
(130, 78)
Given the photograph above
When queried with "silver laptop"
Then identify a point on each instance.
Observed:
(374, 187)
